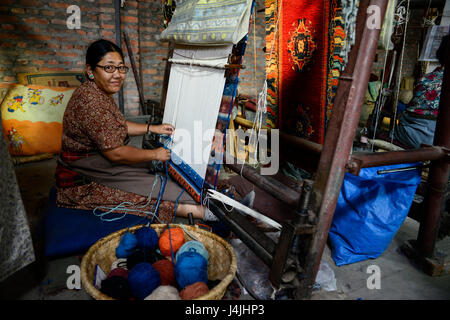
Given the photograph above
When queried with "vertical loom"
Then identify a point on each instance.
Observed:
(200, 94)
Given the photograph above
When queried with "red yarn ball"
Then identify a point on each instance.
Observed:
(121, 272)
(194, 291)
(177, 240)
(166, 272)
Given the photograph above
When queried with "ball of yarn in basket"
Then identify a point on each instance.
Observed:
(193, 246)
(194, 291)
(164, 293)
(143, 279)
(146, 237)
(190, 268)
(166, 271)
(116, 287)
(176, 240)
(126, 246)
(120, 272)
(143, 255)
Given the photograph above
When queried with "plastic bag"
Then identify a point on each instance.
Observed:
(370, 209)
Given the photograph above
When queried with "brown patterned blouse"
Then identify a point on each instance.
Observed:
(92, 122)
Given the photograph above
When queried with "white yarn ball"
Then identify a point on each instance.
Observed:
(164, 293)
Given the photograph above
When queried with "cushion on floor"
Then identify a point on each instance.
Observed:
(73, 231)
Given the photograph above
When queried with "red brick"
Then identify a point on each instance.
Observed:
(21, 44)
(18, 10)
(107, 33)
(31, 3)
(36, 21)
(58, 21)
(107, 26)
(39, 37)
(8, 45)
(10, 36)
(66, 54)
(59, 5)
(130, 19)
(8, 19)
(8, 27)
(105, 17)
(48, 13)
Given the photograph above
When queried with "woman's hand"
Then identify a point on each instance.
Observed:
(162, 154)
(164, 128)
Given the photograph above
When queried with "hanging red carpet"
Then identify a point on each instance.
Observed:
(302, 38)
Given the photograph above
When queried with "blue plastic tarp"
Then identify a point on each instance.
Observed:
(370, 209)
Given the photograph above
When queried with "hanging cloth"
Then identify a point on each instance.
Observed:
(209, 22)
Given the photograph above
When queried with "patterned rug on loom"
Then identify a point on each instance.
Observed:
(303, 64)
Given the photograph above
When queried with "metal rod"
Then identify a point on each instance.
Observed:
(136, 76)
(198, 64)
(119, 43)
(439, 171)
(339, 138)
(366, 160)
(398, 170)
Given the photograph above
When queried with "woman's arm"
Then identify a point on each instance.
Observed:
(130, 154)
(136, 129)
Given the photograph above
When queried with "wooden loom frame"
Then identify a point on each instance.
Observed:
(296, 270)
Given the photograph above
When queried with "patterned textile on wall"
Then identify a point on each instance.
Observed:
(306, 52)
(16, 251)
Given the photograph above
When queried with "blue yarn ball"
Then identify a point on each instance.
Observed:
(191, 267)
(143, 279)
(126, 246)
(193, 246)
(146, 237)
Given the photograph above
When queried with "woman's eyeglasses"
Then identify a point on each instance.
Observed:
(111, 68)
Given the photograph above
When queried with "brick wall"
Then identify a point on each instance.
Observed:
(34, 37)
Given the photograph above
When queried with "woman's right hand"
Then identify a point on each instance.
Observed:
(162, 154)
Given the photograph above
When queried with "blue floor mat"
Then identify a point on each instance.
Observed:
(73, 231)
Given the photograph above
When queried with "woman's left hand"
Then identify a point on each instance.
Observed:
(164, 128)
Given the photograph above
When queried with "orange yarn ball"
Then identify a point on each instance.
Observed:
(166, 272)
(194, 291)
(176, 238)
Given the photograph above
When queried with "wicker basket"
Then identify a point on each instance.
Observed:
(222, 263)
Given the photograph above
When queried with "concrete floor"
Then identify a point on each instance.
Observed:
(401, 278)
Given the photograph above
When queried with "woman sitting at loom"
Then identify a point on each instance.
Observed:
(96, 168)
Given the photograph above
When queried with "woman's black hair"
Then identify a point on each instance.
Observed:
(441, 52)
(98, 49)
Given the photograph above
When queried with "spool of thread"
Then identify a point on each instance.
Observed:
(143, 255)
(119, 263)
(193, 246)
(193, 291)
(146, 237)
(190, 268)
(116, 287)
(143, 279)
(176, 239)
(119, 272)
(164, 293)
(126, 246)
(166, 271)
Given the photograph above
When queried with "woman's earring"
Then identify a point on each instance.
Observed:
(91, 76)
